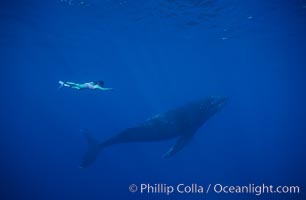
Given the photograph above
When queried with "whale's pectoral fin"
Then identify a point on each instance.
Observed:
(179, 145)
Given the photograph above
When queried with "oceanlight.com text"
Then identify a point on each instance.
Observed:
(195, 188)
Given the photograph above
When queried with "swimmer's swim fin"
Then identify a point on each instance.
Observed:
(93, 150)
(61, 84)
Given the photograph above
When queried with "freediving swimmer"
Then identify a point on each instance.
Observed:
(93, 85)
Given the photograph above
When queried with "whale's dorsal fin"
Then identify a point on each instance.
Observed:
(179, 145)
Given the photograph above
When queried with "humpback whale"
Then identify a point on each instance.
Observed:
(181, 123)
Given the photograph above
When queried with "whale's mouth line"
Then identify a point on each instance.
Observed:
(223, 102)
(220, 102)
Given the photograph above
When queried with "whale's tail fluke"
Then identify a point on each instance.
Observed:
(94, 149)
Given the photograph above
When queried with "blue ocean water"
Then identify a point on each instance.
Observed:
(157, 55)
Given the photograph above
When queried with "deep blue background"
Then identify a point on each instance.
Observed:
(157, 54)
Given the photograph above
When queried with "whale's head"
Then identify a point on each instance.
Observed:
(201, 110)
(211, 105)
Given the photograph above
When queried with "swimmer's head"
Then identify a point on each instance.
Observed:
(100, 83)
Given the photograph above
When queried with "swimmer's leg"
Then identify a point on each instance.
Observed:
(70, 84)
(76, 87)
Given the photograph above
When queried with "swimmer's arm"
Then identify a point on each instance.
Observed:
(97, 87)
